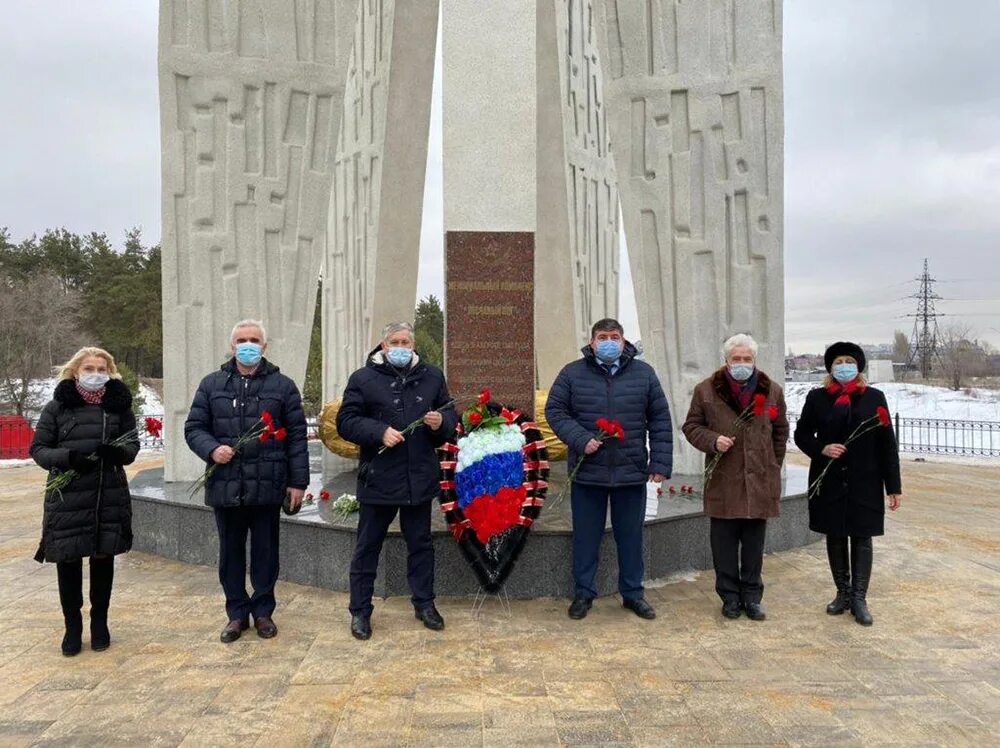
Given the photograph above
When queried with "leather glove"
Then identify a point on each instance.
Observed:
(80, 463)
(112, 455)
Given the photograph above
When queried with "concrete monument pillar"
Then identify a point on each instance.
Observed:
(526, 156)
(250, 104)
(376, 204)
(694, 91)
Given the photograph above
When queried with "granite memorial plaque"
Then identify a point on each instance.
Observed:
(489, 312)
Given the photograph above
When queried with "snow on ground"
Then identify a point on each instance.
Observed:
(918, 401)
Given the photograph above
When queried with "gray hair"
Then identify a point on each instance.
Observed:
(740, 340)
(393, 327)
(249, 323)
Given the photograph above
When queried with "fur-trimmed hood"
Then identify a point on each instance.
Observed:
(721, 386)
(117, 398)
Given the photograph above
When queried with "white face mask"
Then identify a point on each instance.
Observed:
(93, 382)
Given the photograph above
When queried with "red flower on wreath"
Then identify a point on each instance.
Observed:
(509, 416)
(485, 396)
(475, 418)
(883, 415)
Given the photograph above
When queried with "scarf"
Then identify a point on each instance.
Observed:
(91, 398)
(743, 391)
(844, 392)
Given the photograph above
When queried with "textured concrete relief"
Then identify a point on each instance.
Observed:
(250, 98)
(372, 257)
(694, 90)
(590, 172)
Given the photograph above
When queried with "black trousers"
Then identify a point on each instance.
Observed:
(738, 555)
(373, 524)
(262, 523)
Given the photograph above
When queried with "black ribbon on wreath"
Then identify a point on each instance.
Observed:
(493, 560)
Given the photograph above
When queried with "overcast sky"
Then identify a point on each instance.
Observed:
(892, 116)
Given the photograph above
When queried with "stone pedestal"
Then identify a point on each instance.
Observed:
(489, 296)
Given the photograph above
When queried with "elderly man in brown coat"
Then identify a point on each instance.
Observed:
(738, 414)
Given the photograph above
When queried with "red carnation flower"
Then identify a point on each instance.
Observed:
(773, 413)
(759, 402)
(485, 396)
(673, 490)
(280, 434)
(604, 425)
(324, 495)
(268, 420)
(475, 418)
(265, 435)
(883, 415)
(619, 432)
(154, 426)
(508, 416)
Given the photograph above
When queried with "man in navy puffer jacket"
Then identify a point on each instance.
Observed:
(609, 382)
(247, 487)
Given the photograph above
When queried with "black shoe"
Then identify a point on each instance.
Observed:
(430, 617)
(640, 607)
(100, 636)
(579, 608)
(861, 573)
(70, 576)
(731, 609)
(233, 630)
(754, 611)
(72, 641)
(361, 627)
(266, 629)
(841, 603)
(859, 609)
(840, 568)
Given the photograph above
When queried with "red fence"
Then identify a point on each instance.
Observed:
(15, 438)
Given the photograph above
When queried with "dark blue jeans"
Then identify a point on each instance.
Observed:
(628, 513)
(262, 523)
(373, 524)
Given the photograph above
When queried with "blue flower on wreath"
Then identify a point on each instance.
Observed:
(488, 476)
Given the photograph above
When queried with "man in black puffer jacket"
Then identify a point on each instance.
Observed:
(610, 383)
(248, 487)
(393, 390)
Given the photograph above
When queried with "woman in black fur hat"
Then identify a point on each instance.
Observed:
(850, 500)
(91, 516)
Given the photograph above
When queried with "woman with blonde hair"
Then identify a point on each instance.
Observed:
(87, 428)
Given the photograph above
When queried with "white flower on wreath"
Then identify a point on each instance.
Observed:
(484, 442)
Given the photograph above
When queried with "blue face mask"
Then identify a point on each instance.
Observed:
(249, 354)
(845, 373)
(399, 357)
(741, 372)
(609, 351)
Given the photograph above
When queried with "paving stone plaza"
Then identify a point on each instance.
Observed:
(927, 672)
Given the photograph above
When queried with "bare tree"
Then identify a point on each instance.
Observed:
(958, 353)
(39, 327)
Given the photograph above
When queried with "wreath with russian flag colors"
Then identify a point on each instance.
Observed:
(494, 478)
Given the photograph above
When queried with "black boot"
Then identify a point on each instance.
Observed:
(861, 569)
(836, 552)
(102, 574)
(70, 576)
